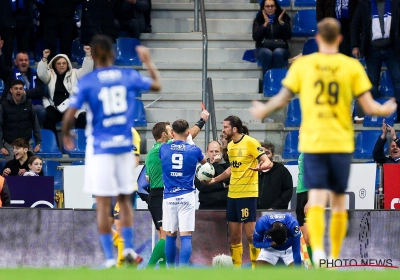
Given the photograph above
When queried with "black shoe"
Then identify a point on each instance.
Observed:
(148, 29)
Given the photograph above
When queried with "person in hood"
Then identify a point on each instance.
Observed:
(275, 186)
(61, 78)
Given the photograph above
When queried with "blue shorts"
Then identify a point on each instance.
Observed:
(327, 171)
(241, 210)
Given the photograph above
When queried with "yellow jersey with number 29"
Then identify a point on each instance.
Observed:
(326, 84)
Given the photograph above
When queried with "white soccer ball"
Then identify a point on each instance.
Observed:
(205, 172)
(222, 261)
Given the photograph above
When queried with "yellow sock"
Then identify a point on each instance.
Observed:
(119, 243)
(337, 232)
(237, 252)
(253, 255)
(316, 227)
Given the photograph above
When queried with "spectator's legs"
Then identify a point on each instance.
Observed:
(53, 116)
(265, 56)
(7, 35)
(51, 35)
(23, 35)
(134, 28)
(373, 60)
(147, 19)
(81, 120)
(67, 28)
(344, 47)
(279, 58)
(40, 113)
(393, 67)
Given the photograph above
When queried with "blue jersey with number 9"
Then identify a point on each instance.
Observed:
(110, 93)
(179, 160)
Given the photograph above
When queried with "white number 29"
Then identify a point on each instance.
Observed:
(114, 99)
(177, 160)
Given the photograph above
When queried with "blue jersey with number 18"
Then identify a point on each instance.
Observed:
(110, 93)
(179, 160)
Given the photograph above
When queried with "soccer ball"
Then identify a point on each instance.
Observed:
(222, 261)
(205, 172)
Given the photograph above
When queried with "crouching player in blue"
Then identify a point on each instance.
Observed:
(278, 236)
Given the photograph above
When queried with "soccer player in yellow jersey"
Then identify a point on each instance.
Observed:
(246, 158)
(326, 83)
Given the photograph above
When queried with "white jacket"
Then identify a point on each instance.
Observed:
(48, 76)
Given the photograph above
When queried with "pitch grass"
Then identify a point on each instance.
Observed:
(194, 274)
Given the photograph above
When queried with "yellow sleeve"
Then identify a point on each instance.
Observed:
(361, 82)
(254, 148)
(136, 141)
(292, 79)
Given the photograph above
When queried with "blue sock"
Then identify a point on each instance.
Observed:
(106, 241)
(127, 235)
(186, 250)
(170, 250)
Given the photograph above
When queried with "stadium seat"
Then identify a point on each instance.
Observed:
(292, 162)
(293, 116)
(304, 23)
(272, 81)
(310, 46)
(386, 85)
(49, 148)
(365, 143)
(374, 121)
(125, 52)
(140, 114)
(249, 55)
(290, 150)
(50, 169)
(80, 144)
(78, 162)
(77, 52)
(305, 3)
(1, 86)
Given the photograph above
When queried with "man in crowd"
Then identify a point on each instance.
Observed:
(379, 154)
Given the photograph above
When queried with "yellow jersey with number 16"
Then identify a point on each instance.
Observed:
(326, 84)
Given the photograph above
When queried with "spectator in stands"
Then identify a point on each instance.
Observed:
(379, 154)
(19, 165)
(271, 30)
(214, 196)
(17, 120)
(130, 17)
(61, 79)
(34, 87)
(57, 16)
(5, 199)
(343, 11)
(35, 164)
(378, 41)
(275, 186)
(15, 22)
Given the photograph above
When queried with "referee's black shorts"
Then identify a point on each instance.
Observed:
(155, 206)
(302, 199)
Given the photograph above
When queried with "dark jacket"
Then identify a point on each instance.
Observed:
(378, 154)
(361, 27)
(5, 195)
(274, 31)
(15, 166)
(98, 18)
(326, 8)
(20, 18)
(129, 11)
(7, 75)
(58, 8)
(214, 196)
(275, 188)
(18, 121)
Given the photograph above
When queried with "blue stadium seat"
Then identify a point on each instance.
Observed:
(282, 3)
(77, 52)
(365, 143)
(78, 162)
(304, 23)
(249, 55)
(1, 86)
(272, 81)
(49, 148)
(290, 150)
(305, 3)
(125, 52)
(293, 116)
(386, 85)
(310, 46)
(50, 169)
(140, 114)
(80, 144)
(373, 121)
(292, 162)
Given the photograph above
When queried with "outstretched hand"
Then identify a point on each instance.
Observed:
(46, 53)
(88, 50)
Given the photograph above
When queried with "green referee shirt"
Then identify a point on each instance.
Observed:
(153, 166)
(300, 180)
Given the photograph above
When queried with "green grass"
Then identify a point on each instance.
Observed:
(194, 274)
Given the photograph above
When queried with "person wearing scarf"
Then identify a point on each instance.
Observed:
(374, 36)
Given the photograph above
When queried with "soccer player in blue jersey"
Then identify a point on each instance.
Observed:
(278, 236)
(110, 93)
(179, 160)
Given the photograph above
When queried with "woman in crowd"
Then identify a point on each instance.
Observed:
(271, 30)
(61, 78)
